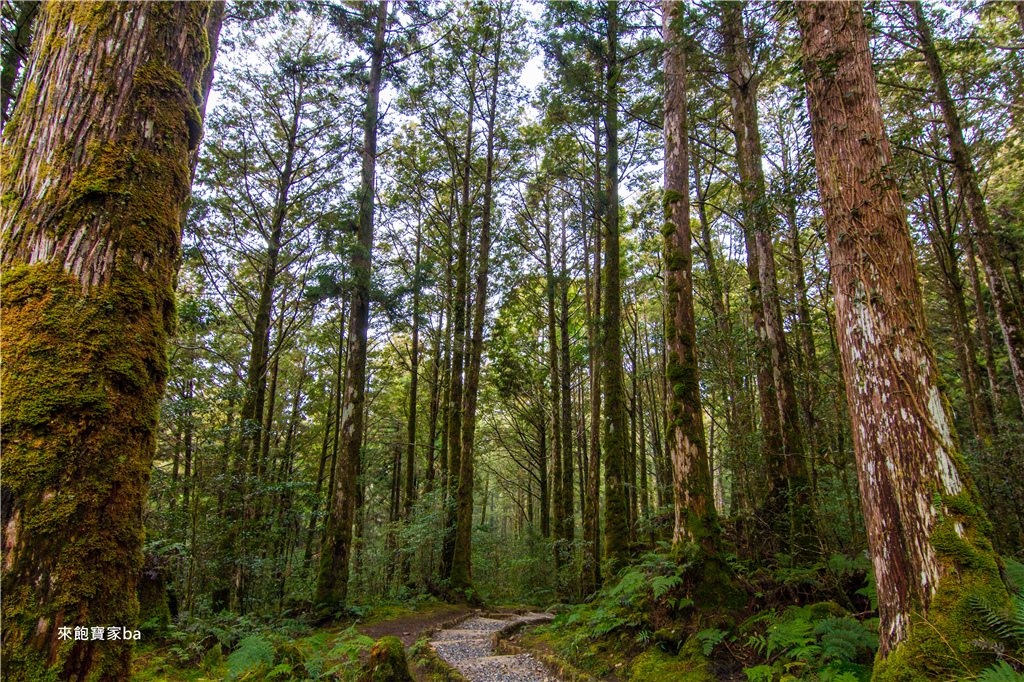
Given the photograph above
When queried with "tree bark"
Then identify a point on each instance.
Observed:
(695, 517)
(336, 553)
(788, 503)
(91, 240)
(565, 368)
(926, 530)
(616, 519)
(591, 571)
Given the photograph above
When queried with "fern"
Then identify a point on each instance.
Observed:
(1000, 672)
(710, 638)
(252, 652)
(844, 639)
(1016, 572)
(1008, 624)
(663, 584)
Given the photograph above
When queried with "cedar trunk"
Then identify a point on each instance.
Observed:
(787, 506)
(91, 237)
(926, 530)
(616, 520)
(336, 552)
(691, 470)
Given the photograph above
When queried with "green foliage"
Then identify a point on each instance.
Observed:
(252, 653)
(1000, 672)
(710, 638)
(1008, 624)
(810, 643)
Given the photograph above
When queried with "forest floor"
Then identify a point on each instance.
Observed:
(337, 651)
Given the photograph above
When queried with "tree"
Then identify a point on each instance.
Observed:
(926, 530)
(694, 497)
(787, 503)
(336, 554)
(89, 258)
(16, 45)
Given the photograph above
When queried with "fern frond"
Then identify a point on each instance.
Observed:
(1000, 672)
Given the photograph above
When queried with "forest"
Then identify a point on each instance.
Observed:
(666, 341)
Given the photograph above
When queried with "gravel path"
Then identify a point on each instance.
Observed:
(468, 650)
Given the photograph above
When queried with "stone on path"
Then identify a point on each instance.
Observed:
(468, 649)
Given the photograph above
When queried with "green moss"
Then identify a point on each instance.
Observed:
(84, 362)
(657, 666)
(942, 640)
(387, 662)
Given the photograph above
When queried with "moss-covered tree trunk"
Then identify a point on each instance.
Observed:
(691, 472)
(616, 517)
(1007, 312)
(926, 530)
(591, 571)
(336, 552)
(95, 175)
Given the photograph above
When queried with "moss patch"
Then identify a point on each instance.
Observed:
(657, 666)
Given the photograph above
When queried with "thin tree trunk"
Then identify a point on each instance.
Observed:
(462, 568)
(591, 577)
(554, 384)
(565, 367)
(455, 406)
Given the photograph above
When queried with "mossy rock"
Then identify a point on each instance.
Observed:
(387, 662)
(657, 666)
(827, 609)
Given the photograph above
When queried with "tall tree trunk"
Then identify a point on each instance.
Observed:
(335, 555)
(90, 253)
(926, 530)
(616, 518)
(788, 502)
(414, 377)
(1007, 312)
(462, 568)
(565, 368)
(460, 302)
(694, 504)
(591, 576)
(435, 394)
(554, 384)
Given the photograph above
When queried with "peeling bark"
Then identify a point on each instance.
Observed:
(695, 516)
